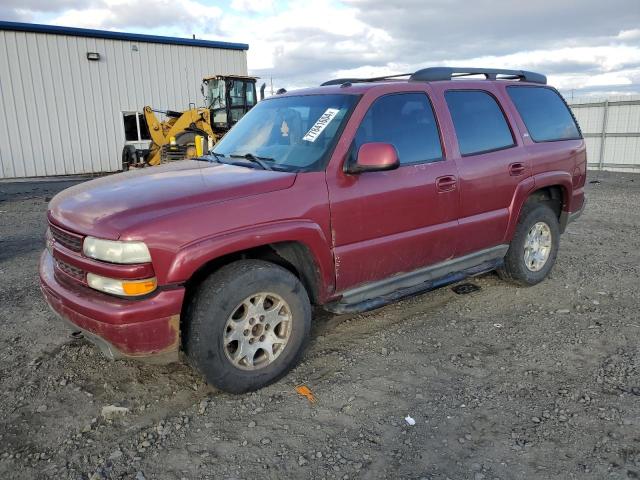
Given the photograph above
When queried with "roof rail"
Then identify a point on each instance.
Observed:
(341, 81)
(434, 74)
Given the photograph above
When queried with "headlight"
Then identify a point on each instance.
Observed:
(116, 251)
(125, 288)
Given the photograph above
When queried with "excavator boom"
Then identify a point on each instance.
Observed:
(196, 121)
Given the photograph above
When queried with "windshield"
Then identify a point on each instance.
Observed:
(291, 133)
(215, 94)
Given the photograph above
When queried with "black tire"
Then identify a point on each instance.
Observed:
(128, 157)
(217, 298)
(515, 269)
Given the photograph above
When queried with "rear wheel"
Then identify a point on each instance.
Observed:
(534, 247)
(247, 325)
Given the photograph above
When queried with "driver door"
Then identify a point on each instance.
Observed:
(388, 222)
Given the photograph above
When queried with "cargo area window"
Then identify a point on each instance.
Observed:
(544, 113)
(135, 127)
(406, 121)
(479, 122)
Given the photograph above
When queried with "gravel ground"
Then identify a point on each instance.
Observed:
(503, 383)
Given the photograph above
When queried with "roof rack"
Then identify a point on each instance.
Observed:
(342, 81)
(434, 74)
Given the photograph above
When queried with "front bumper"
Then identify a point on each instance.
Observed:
(144, 329)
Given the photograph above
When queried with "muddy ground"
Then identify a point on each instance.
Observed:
(503, 383)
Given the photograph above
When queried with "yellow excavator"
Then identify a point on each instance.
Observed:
(194, 132)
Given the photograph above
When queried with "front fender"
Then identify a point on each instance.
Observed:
(196, 254)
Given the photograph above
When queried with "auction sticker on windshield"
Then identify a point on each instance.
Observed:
(322, 123)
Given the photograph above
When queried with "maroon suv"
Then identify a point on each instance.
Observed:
(349, 196)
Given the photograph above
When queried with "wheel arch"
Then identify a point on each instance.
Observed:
(293, 256)
(553, 195)
(552, 188)
(299, 246)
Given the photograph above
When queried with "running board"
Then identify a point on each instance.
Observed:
(381, 293)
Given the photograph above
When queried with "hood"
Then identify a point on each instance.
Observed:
(107, 206)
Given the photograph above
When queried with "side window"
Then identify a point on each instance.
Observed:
(251, 97)
(544, 113)
(130, 127)
(135, 127)
(406, 121)
(480, 124)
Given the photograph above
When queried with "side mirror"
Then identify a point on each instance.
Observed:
(375, 157)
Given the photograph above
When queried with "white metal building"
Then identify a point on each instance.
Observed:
(611, 128)
(69, 96)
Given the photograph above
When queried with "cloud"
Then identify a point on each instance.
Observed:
(577, 43)
(42, 5)
(188, 16)
(28, 10)
(13, 15)
(629, 34)
(462, 29)
(252, 5)
(307, 42)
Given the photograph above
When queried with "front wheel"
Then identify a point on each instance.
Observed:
(247, 325)
(534, 247)
(128, 157)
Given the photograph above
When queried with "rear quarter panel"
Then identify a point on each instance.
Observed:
(560, 163)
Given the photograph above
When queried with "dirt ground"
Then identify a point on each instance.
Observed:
(503, 383)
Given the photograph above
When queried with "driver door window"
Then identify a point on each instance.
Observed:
(407, 122)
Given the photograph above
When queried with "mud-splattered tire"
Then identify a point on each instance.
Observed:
(534, 247)
(247, 325)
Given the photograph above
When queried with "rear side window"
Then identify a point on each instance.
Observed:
(479, 122)
(544, 113)
(407, 122)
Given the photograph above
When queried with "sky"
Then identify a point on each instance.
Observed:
(585, 47)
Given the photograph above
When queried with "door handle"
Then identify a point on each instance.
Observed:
(516, 169)
(446, 183)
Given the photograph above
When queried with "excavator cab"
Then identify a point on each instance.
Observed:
(229, 98)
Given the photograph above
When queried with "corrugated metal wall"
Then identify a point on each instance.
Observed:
(61, 114)
(611, 127)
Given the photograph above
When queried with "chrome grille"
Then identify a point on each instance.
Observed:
(70, 270)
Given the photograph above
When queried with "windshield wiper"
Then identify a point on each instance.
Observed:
(216, 155)
(257, 160)
(207, 158)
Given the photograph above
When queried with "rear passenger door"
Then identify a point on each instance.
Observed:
(490, 167)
